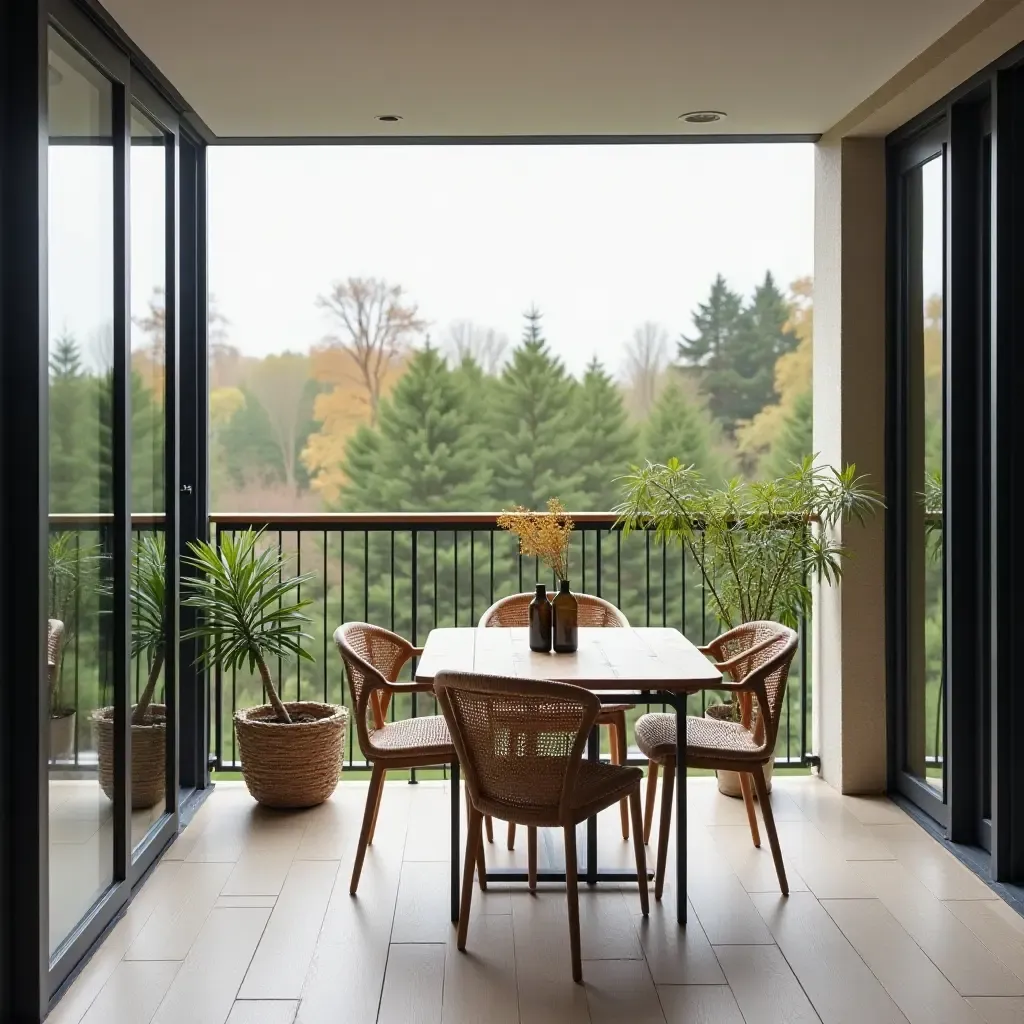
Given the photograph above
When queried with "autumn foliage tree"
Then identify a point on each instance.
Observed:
(375, 325)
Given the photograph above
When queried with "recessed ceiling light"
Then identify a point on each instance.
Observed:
(703, 116)
(389, 118)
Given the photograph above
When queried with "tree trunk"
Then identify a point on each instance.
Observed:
(139, 714)
(268, 684)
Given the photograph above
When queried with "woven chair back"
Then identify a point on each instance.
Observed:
(519, 741)
(515, 611)
(372, 656)
(765, 652)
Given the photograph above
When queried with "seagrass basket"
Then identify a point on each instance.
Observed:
(295, 765)
(149, 754)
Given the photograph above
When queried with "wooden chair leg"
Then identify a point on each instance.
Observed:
(639, 851)
(652, 789)
(472, 849)
(369, 812)
(531, 857)
(665, 826)
(747, 789)
(769, 826)
(376, 810)
(617, 738)
(481, 862)
(572, 898)
(511, 835)
(489, 825)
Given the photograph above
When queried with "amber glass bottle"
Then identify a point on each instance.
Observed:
(565, 624)
(540, 621)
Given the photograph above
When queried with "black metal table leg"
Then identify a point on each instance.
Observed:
(594, 754)
(456, 841)
(679, 700)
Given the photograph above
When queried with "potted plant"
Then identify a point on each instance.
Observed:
(69, 565)
(291, 751)
(149, 720)
(759, 545)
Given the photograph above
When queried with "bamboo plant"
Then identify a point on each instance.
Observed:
(758, 545)
(246, 611)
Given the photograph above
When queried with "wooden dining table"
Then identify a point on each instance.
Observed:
(618, 665)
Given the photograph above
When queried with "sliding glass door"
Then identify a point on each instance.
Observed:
(112, 788)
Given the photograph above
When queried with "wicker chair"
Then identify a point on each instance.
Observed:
(373, 657)
(758, 656)
(593, 611)
(54, 640)
(520, 743)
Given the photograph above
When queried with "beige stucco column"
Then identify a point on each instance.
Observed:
(849, 685)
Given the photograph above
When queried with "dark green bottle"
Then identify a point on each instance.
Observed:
(565, 625)
(540, 621)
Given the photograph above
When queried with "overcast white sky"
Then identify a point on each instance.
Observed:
(601, 238)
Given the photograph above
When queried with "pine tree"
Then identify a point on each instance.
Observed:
(427, 456)
(535, 444)
(795, 440)
(73, 430)
(607, 442)
(680, 428)
(424, 455)
(716, 321)
(737, 370)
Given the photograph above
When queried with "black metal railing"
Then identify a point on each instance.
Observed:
(412, 572)
(79, 594)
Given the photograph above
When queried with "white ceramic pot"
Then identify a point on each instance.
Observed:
(729, 782)
(62, 737)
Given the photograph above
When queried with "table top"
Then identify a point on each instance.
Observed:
(610, 658)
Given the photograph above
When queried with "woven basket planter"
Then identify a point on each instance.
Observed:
(295, 765)
(729, 782)
(149, 755)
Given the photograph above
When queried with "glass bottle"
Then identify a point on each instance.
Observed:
(540, 621)
(565, 621)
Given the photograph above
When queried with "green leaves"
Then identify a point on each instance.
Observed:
(247, 614)
(759, 544)
(148, 595)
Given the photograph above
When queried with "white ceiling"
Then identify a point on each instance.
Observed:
(529, 67)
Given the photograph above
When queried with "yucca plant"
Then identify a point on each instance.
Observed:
(148, 604)
(246, 614)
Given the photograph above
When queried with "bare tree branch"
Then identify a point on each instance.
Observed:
(645, 362)
(376, 325)
(484, 345)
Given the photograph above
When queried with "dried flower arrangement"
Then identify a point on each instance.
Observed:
(544, 535)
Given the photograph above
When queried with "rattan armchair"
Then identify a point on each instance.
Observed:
(373, 658)
(520, 743)
(757, 655)
(593, 611)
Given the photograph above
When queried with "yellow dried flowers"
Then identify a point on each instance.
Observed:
(544, 535)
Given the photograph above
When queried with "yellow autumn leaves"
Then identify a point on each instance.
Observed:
(543, 535)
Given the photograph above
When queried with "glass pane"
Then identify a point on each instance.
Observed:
(148, 334)
(925, 741)
(81, 359)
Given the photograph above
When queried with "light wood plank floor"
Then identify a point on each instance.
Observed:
(247, 920)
